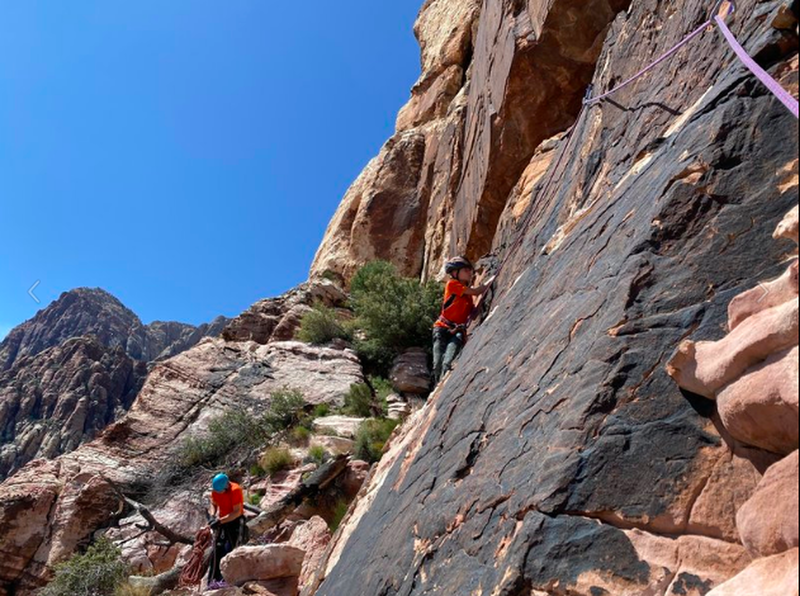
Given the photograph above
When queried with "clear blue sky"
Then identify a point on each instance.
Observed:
(186, 155)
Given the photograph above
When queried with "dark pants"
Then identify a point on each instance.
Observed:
(446, 347)
(226, 538)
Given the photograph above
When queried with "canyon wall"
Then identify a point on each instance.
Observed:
(559, 457)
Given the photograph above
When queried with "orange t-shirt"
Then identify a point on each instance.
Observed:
(226, 501)
(457, 306)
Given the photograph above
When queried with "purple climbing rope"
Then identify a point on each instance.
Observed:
(774, 86)
(666, 56)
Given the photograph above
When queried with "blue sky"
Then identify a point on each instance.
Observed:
(186, 155)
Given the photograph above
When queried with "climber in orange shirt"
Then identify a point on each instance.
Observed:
(227, 501)
(450, 329)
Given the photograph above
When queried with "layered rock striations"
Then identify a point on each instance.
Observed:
(76, 367)
(49, 508)
(559, 457)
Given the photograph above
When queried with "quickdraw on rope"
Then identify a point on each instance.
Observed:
(722, 10)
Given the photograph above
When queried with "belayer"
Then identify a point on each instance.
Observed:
(450, 329)
(227, 501)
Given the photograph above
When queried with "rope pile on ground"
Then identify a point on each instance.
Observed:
(194, 570)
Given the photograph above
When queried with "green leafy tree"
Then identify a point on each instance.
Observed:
(392, 312)
(321, 326)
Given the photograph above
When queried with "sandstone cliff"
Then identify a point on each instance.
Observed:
(559, 458)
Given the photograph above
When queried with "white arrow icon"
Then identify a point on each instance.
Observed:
(32, 295)
(766, 291)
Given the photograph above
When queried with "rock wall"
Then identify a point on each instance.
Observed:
(559, 458)
(752, 374)
(491, 90)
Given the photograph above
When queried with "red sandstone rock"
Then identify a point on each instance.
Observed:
(771, 576)
(312, 537)
(766, 295)
(768, 522)
(761, 407)
(705, 367)
(788, 228)
(256, 563)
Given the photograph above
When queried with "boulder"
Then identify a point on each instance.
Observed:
(768, 522)
(342, 426)
(765, 295)
(705, 367)
(770, 576)
(788, 228)
(334, 445)
(312, 537)
(258, 563)
(761, 407)
(354, 477)
(410, 372)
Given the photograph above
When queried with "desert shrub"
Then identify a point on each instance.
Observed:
(239, 428)
(383, 389)
(127, 589)
(358, 401)
(276, 459)
(301, 435)
(285, 410)
(321, 326)
(97, 572)
(254, 499)
(317, 454)
(339, 511)
(320, 411)
(392, 312)
(371, 438)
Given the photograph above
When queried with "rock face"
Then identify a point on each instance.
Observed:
(498, 79)
(178, 399)
(95, 312)
(52, 402)
(560, 457)
(277, 319)
(750, 375)
(410, 372)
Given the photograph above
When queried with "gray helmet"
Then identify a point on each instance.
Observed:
(455, 265)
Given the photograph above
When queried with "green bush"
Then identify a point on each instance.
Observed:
(339, 511)
(276, 459)
(238, 428)
(301, 435)
(97, 572)
(393, 312)
(383, 389)
(371, 438)
(254, 499)
(321, 326)
(358, 401)
(285, 410)
(317, 454)
(321, 410)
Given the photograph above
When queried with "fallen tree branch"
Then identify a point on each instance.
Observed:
(154, 524)
(312, 486)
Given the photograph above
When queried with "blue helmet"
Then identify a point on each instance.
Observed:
(220, 483)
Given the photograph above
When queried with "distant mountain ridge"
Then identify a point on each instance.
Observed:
(76, 367)
(94, 312)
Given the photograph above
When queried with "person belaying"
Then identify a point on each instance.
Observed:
(450, 329)
(227, 501)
